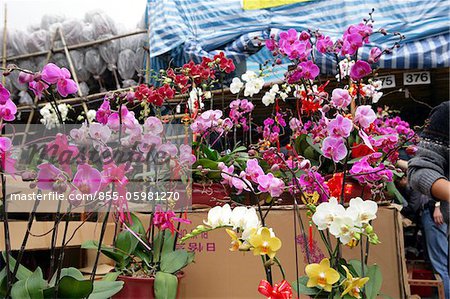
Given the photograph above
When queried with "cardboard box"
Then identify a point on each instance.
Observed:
(219, 273)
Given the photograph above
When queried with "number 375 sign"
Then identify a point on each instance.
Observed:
(416, 78)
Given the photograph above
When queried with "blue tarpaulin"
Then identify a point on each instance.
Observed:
(180, 30)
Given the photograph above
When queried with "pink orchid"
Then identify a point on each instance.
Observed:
(7, 163)
(149, 142)
(271, 184)
(341, 98)
(227, 174)
(25, 77)
(116, 175)
(8, 111)
(169, 149)
(309, 70)
(359, 70)
(87, 179)
(186, 156)
(165, 220)
(64, 152)
(351, 43)
(241, 183)
(4, 95)
(127, 117)
(365, 116)
(253, 170)
(38, 87)
(324, 44)
(99, 133)
(374, 55)
(51, 178)
(334, 148)
(52, 74)
(103, 112)
(153, 125)
(340, 126)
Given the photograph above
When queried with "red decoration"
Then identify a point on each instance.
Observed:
(280, 291)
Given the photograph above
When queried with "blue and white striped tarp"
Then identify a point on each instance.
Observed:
(181, 30)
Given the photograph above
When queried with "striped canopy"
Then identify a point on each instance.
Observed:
(181, 30)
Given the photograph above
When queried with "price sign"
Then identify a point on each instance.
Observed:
(416, 78)
(386, 81)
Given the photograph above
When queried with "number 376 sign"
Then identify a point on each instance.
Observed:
(416, 78)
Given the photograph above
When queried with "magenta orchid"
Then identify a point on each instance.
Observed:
(165, 219)
(364, 116)
(360, 70)
(340, 126)
(334, 148)
(52, 74)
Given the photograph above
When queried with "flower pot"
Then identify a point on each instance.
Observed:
(140, 287)
(208, 194)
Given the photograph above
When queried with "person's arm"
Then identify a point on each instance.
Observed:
(441, 189)
(426, 171)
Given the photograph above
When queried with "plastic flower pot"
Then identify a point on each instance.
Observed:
(208, 194)
(140, 287)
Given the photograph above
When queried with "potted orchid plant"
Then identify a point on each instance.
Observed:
(340, 158)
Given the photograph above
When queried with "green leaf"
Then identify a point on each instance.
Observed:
(174, 261)
(126, 242)
(356, 267)
(239, 149)
(3, 283)
(373, 286)
(110, 252)
(70, 287)
(315, 146)
(166, 286)
(32, 287)
(71, 271)
(105, 289)
(137, 225)
(111, 276)
(302, 288)
(392, 190)
(22, 272)
(169, 240)
(144, 255)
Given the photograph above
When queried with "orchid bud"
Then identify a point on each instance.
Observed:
(28, 175)
(25, 77)
(369, 229)
(275, 167)
(37, 77)
(130, 96)
(325, 108)
(252, 153)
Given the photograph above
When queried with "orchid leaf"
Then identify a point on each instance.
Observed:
(126, 242)
(110, 252)
(105, 289)
(174, 261)
(302, 288)
(31, 287)
(70, 287)
(71, 271)
(22, 272)
(166, 285)
(373, 286)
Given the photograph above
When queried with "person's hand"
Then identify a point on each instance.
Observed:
(437, 216)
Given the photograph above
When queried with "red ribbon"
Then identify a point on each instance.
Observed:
(280, 291)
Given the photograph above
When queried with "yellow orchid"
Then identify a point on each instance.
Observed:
(265, 242)
(310, 198)
(353, 285)
(321, 275)
(235, 242)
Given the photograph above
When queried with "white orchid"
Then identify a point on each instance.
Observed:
(219, 216)
(236, 85)
(244, 218)
(268, 98)
(326, 212)
(362, 210)
(343, 228)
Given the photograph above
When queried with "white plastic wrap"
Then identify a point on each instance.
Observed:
(72, 31)
(102, 23)
(39, 41)
(25, 98)
(60, 60)
(109, 51)
(125, 64)
(79, 65)
(18, 42)
(14, 76)
(88, 33)
(94, 63)
(84, 89)
(48, 21)
(139, 59)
